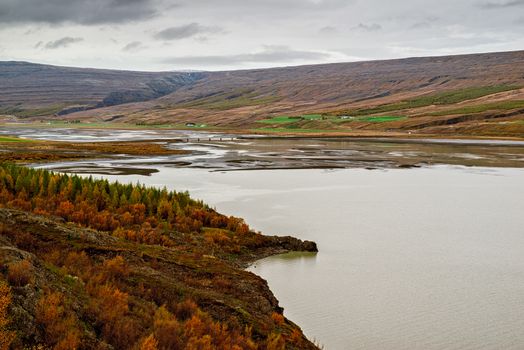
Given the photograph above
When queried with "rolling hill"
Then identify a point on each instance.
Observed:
(478, 94)
(30, 89)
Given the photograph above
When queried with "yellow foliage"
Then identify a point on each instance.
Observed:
(6, 336)
(149, 343)
(20, 273)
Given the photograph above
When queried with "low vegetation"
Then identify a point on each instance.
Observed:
(20, 150)
(380, 118)
(24, 112)
(280, 120)
(6, 335)
(503, 105)
(443, 98)
(229, 100)
(288, 119)
(12, 139)
(318, 123)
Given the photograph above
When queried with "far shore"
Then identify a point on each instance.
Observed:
(399, 136)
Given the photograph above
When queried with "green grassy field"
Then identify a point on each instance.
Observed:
(504, 105)
(318, 123)
(443, 98)
(12, 139)
(196, 126)
(312, 116)
(295, 130)
(381, 118)
(284, 119)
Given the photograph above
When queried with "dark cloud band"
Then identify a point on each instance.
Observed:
(76, 11)
(63, 42)
(186, 31)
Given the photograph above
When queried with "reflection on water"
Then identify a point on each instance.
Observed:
(292, 258)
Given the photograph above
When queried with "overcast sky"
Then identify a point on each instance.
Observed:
(236, 34)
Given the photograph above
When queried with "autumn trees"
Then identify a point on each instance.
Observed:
(6, 336)
(133, 212)
(135, 280)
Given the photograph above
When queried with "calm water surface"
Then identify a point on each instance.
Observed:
(420, 258)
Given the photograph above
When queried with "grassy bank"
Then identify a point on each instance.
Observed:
(12, 139)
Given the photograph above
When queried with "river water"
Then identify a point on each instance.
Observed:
(419, 253)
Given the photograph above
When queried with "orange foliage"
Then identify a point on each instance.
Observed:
(20, 273)
(130, 212)
(6, 336)
(59, 323)
(168, 330)
(70, 341)
(109, 303)
(78, 264)
(296, 337)
(275, 342)
(115, 268)
(117, 311)
(149, 343)
(277, 318)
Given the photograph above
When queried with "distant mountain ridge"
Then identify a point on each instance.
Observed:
(242, 98)
(35, 86)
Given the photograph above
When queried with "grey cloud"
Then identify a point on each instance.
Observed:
(328, 30)
(271, 54)
(421, 25)
(502, 4)
(63, 42)
(185, 31)
(408, 27)
(368, 27)
(133, 46)
(75, 11)
(270, 6)
(428, 22)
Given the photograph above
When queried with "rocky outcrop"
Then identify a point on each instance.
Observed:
(297, 245)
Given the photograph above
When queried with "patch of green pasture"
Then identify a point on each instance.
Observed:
(12, 139)
(381, 118)
(196, 126)
(295, 130)
(503, 105)
(442, 98)
(312, 116)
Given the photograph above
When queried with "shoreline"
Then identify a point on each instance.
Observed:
(253, 133)
(237, 293)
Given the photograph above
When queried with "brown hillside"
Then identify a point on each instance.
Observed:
(481, 85)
